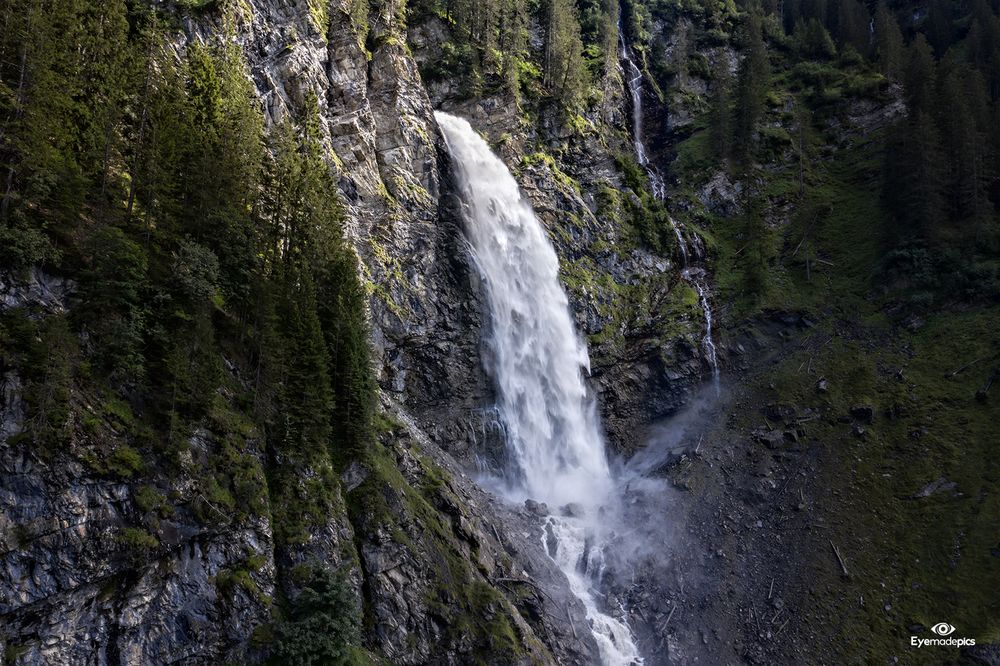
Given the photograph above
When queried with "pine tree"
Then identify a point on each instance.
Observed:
(113, 289)
(565, 71)
(913, 179)
(939, 27)
(813, 41)
(853, 26)
(816, 9)
(159, 135)
(959, 111)
(791, 14)
(918, 79)
(751, 87)
(223, 171)
(720, 117)
(888, 42)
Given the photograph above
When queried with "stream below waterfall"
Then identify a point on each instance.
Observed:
(557, 454)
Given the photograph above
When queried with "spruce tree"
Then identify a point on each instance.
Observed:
(751, 87)
(565, 72)
(913, 178)
(918, 81)
(938, 26)
(853, 26)
(720, 117)
(888, 42)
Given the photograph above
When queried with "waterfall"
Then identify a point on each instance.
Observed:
(537, 358)
(633, 80)
(695, 276)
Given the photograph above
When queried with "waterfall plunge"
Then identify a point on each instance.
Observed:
(553, 432)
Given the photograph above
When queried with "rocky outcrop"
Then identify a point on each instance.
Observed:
(453, 573)
(96, 567)
(87, 573)
(76, 591)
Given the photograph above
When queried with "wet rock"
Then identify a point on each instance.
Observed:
(721, 195)
(539, 509)
(572, 510)
(913, 323)
(353, 476)
(939, 485)
(11, 406)
(772, 439)
(36, 289)
(780, 411)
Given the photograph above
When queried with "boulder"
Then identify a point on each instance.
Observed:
(863, 412)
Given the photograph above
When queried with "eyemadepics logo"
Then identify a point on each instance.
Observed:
(942, 629)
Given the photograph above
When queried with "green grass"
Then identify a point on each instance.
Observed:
(928, 559)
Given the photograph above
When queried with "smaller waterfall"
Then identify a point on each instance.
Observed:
(633, 79)
(694, 275)
(697, 280)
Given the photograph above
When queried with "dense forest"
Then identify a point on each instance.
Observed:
(216, 290)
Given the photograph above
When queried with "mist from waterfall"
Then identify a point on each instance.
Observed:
(537, 360)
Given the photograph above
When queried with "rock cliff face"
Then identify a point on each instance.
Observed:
(443, 572)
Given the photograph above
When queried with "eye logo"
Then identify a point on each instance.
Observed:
(942, 629)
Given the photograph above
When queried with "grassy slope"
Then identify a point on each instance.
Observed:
(913, 561)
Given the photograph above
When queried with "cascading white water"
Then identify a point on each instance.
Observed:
(552, 428)
(707, 343)
(696, 277)
(633, 80)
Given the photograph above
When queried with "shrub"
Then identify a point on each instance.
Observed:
(323, 623)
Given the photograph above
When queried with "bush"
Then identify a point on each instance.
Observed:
(138, 544)
(125, 462)
(323, 624)
(113, 290)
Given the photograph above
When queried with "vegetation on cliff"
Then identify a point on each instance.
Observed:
(215, 292)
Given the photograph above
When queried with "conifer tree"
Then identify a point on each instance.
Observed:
(565, 71)
(720, 117)
(913, 178)
(751, 87)
(853, 26)
(791, 14)
(919, 79)
(888, 42)
(938, 26)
